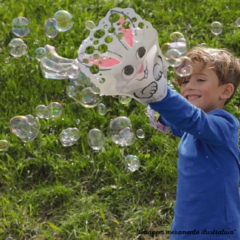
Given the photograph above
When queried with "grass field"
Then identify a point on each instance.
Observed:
(48, 191)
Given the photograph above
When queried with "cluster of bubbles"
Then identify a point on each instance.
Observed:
(174, 53)
(69, 136)
(25, 127)
(17, 47)
(53, 110)
(61, 22)
(120, 131)
(132, 162)
(83, 91)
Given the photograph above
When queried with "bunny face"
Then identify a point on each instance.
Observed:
(122, 52)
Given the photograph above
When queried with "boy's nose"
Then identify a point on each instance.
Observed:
(190, 84)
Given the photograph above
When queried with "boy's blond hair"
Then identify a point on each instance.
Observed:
(221, 61)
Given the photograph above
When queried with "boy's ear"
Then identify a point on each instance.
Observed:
(227, 91)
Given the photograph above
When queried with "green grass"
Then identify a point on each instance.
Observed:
(48, 191)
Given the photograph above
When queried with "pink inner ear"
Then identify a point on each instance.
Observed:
(108, 62)
(128, 35)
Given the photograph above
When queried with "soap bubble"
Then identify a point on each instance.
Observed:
(90, 25)
(17, 47)
(96, 139)
(125, 99)
(25, 127)
(42, 111)
(55, 109)
(216, 28)
(4, 145)
(63, 21)
(173, 57)
(185, 69)
(102, 110)
(120, 131)
(20, 26)
(69, 136)
(238, 22)
(40, 53)
(50, 29)
(78, 121)
(180, 46)
(140, 133)
(175, 36)
(71, 91)
(7, 60)
(132, 163)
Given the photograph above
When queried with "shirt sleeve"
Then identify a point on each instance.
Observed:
(176, 132)
(214, 128)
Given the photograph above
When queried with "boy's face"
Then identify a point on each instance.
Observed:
(202, 89)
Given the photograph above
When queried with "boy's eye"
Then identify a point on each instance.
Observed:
(185, 82)
(201, 80)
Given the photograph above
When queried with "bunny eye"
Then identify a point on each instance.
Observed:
(141, 52)
(128, 71)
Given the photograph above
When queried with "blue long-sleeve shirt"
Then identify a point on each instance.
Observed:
(208, 169)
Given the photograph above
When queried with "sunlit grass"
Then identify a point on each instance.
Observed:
(48, 191)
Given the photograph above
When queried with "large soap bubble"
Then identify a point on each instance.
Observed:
(17, 47)
(63, 21)
(120, 131)
(96, 139)
(69, 136)
(132, 163)
(25, 127)
(20, 26)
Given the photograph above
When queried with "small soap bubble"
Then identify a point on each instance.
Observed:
(55, 109)
(102, 110)
(20, 26)
(78, 121)
(216, 28)
(88, 98)
(17, 47)
(9, 238)
(90, 25)
(124, 99)
(140, 133)
(7, 60)
(120, 131)
(50, 29)
(4, 145)
(96, 139)
(71, 91)
(185, 69)
(40, 53)
(42, 111)
(69, 136)
(132, 163)
(63, 21)
(25, 127)
(238, 22)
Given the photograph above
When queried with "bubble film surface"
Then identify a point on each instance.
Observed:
(69, 136)
(216, 28)
(20, 26)
(50, 29)
(63, 21)
(4, 145)
(132, 163)
(120, 131)
(17, 47)
(25, 127)
(96, 139)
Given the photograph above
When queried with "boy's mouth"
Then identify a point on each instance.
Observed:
(192, 97)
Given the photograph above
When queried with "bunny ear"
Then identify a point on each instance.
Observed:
(104, 61)
(128, 33)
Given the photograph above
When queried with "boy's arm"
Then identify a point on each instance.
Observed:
(214, 128)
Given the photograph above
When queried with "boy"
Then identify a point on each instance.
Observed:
(207, 203)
